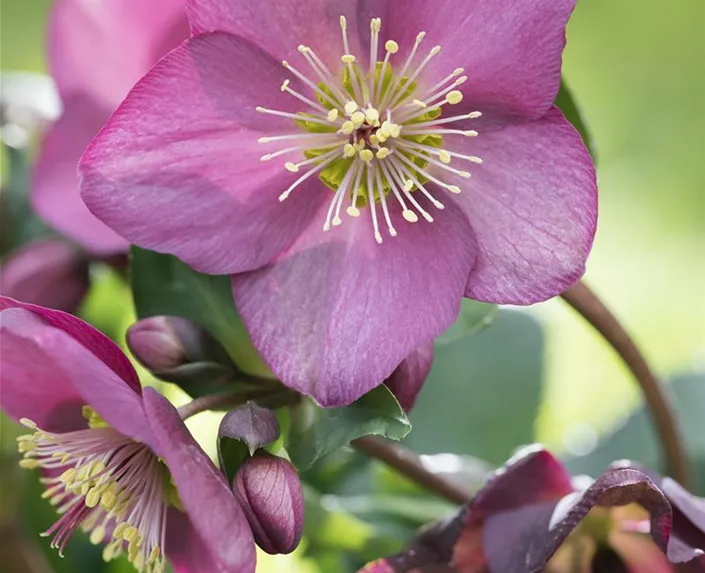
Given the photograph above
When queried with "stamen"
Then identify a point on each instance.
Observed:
(415, 75)
(310, 84)
(375, 27)
(295, 116)
(326, 159)
(383, 200)
(317, 106)
(395, 170)
(392, 48)
(423, 189)
(270, 156)
(440, 164)
(353, 211)
(337, 198)
(322, 71)
(427, 175)
(393, 88)
(373, 209)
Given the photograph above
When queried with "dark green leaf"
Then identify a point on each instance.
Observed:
(635, 438)
(316, 431)
(483, 393)
(163, 285)
(570, 110)
(473, 317)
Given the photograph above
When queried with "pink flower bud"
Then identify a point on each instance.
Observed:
(160, 342)
(269, 491)
(49, 273)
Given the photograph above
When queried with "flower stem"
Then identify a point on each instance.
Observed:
(409, 465)
(586, 303)
(221, 401)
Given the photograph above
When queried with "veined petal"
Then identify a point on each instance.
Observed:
(118, 42)
(511, 49)
(533, 207)
(278, 27)
(335, 314)
(177, 168)
(212, 509)
(91, 338)
(54, 185)
(407, 379)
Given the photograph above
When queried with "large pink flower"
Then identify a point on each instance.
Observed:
(337, 188)
(119, 463)
(96, 51)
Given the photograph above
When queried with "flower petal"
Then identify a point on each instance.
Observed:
(54, 189)
(177, 167)
(407, 379)
(280, 27)
(86, 335)
(118, 42)
(48, 272)
(639, 553)
(207, 499)
(337, 313)
(184, 547)
(511, 50)
(533, 207)
(29, 385)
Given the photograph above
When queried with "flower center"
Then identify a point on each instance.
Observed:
(111, 486)
(372, 134)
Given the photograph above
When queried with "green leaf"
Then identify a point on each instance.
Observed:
(316, 431)
(163, 285)
(566, 103)
(635, 438)
(473, 317)
(483, 393)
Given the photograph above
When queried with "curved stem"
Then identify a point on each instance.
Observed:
(221, 401)
(409, 465)
(583, 300)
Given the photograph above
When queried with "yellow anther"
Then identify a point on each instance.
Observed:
(458, 71)
(435, 50)
(381, 138)
(408, 185)
(385, 129)
(29, 464)
(372, 115)
(374, 140)
(384, 152)
(260, 109)
(25, 446)
(470, 133)
(376, 24)
(304, 49)
(349, 150)
(453, 189)
(291, 167)
(25, 438)
(97, 535)
(332, 115)
(343, 22)
(474, 159)
(119, 530)
(111, 550)
(444, 156)
(348, 59)
(337, 221)
(396, 130)
(366, 155)
(454, 97)
(108, 500)
(391, 46)
(360, 145)
(420, 36)
(285, 64)
(266, 157)
(419, 103)
(410, 216)
(93, 497)
(351, 107)
(353, 211)
(347, 128)
(130, 533)
(285, 85)
(154, 555)
(69, 476)
(358, 118)
(27, 423)
(465, 174)
(474, 114)
(97, 467)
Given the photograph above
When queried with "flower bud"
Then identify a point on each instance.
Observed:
(49, 273)
(160, 342)
(269, 492)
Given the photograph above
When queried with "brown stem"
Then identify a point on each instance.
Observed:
(583, 300)
(222, 401)
(409, 465)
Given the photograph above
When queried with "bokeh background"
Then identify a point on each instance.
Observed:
(637, 72)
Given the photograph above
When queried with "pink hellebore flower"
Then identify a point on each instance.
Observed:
(96, 52)
(118, 462)
(531, 517)
(321, 152)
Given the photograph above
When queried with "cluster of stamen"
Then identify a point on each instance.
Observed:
(112, 487)
(369, 136)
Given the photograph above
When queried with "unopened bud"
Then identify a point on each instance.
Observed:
(157, 342)
(270, 494)
(50, 273)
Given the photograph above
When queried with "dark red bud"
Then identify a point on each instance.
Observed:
(269, 491)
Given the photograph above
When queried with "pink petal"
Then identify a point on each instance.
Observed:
(184, 547)
(510, 50)
(639, 553)
(100, 49)
(29, 385)
(61, 357)
(209, 503)
(86, 335)
(407, 379)
(177, 168)
(280, 27)
(49, 272)
(55, 194)
(533, 208)
(336, 314)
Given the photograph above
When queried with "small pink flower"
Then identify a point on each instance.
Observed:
(118, 463)
(359, 167)
(96, 52)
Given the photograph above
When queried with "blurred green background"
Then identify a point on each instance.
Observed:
(637, 72)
